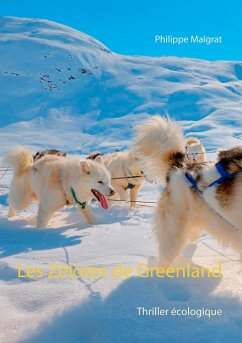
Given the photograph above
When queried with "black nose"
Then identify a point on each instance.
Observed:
(112, 192)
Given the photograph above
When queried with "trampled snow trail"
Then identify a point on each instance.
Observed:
(94, 106)
(105, 309)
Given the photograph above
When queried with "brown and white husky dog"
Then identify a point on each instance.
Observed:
(125, 170)
(195, 151)
(207, 196)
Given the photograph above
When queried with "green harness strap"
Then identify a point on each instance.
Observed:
(82, 204)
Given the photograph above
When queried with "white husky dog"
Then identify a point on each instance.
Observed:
(55, 182)
(125, 170)
(195, 151)
(206, 196)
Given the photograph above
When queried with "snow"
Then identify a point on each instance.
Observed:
(63, 89)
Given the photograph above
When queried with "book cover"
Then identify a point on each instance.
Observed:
(120, 171)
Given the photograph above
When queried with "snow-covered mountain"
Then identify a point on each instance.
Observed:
(53, 76)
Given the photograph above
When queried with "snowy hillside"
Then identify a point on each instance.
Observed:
(51, 76)
(63, 89)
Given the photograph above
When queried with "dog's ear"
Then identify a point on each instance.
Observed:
(99, 159)
(85, 166)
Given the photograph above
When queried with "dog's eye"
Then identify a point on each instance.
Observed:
(101, 182)
(141, 172)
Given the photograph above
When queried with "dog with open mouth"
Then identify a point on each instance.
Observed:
(205, 196)
(126, 173)
(54, 182)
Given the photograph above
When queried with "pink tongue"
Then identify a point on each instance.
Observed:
(103, 201)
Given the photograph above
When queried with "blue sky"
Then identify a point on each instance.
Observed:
(129, 26)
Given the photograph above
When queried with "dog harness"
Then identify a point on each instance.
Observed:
(130, 186)
(224, 176)
(82, 204)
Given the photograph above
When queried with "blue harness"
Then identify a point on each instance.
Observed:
(130, 186)
(224, 176)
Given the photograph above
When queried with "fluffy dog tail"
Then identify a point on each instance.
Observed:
(160, 144)
(21, 159)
